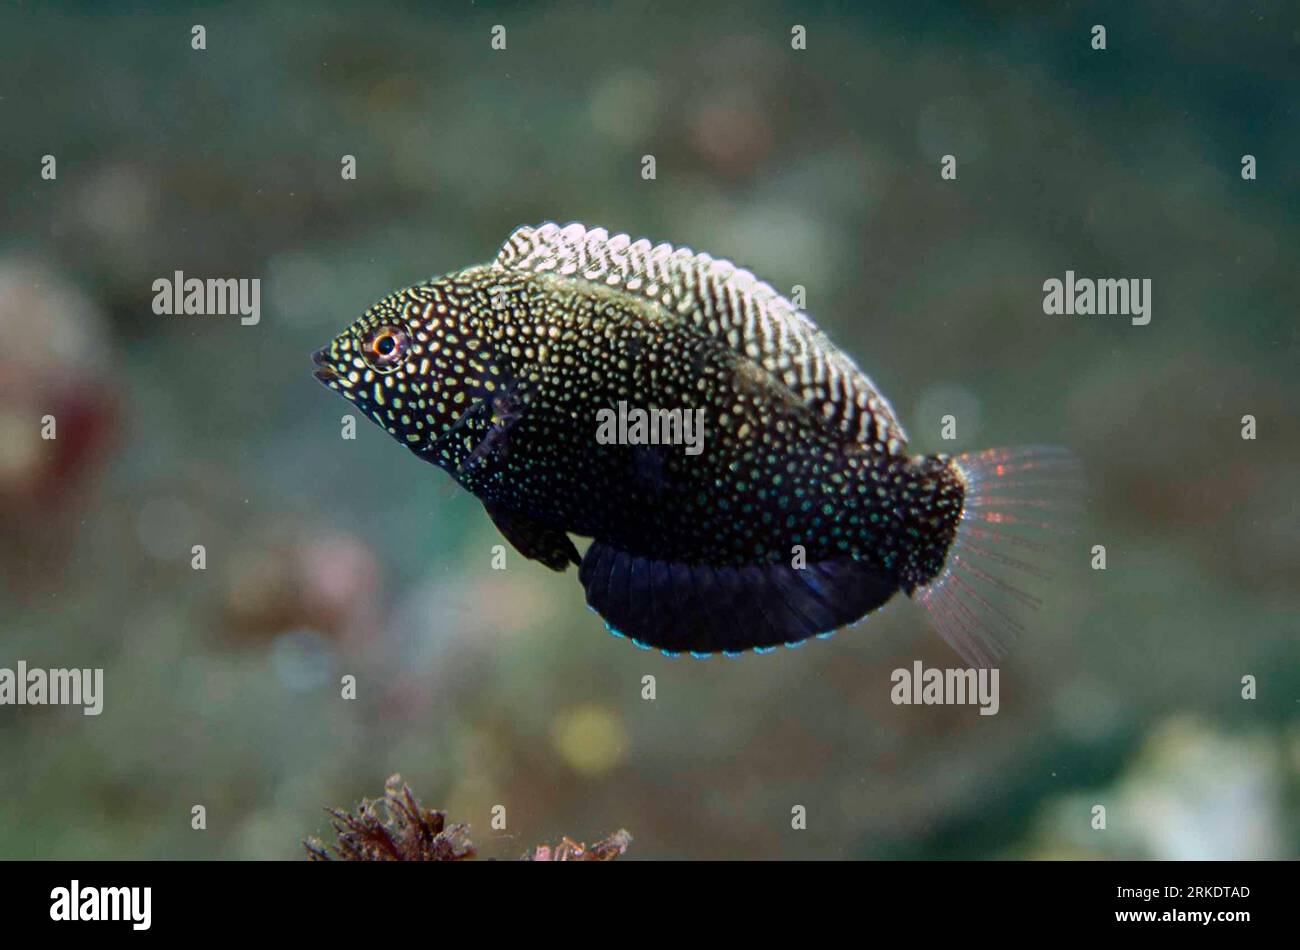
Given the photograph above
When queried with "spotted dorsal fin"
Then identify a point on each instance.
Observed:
(721, 299)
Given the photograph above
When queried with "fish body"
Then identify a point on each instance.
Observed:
(802, 510)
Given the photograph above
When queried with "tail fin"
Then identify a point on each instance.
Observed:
(1018, 513)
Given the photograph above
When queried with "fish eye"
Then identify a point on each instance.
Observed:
(384, 347)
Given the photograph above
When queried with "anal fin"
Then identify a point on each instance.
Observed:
(532, 539)
(705, 609)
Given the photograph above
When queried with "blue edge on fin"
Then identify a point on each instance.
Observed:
(674, 654)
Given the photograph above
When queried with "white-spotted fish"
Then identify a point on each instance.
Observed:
(803, 513)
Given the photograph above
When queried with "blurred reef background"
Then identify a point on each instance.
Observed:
(817, 167)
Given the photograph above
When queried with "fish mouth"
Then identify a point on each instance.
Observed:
(323, 371)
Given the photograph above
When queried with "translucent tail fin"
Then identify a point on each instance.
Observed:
(1020, 512)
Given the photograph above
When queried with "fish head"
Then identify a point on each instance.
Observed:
(375, 364)
(422, 362)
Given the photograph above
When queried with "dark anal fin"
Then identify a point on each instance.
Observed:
(704, 609)
(535, 541)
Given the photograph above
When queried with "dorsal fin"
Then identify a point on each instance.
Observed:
(728, 303)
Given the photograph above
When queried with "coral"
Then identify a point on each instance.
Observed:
(398, 828)
(394, 828)
(568, 850)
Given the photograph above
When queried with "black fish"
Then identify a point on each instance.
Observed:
(802, 513)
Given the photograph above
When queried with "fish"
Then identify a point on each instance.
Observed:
(802, 512)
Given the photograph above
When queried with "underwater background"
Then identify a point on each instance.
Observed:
(818, 167)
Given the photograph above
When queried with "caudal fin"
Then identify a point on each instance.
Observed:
(1020, 509)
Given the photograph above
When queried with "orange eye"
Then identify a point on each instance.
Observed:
(385, 348)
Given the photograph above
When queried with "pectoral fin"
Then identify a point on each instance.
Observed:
(535, 541)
